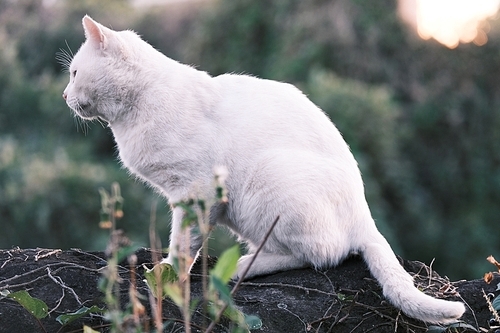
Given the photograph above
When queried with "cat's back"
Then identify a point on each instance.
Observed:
(251, 91)
(275, 113)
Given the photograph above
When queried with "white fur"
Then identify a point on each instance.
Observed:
(173, 124)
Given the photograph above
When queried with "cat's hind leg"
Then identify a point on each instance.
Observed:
(267, 263)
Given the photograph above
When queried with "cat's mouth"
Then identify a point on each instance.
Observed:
(84, 110)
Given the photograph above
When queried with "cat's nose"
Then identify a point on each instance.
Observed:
(64, 96)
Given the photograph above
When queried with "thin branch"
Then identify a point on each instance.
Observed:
(245, 272)
(490, 307)
(430, 271)
(41, 255)
(281, 285)
(58, 302)
(59, 281)
(65, 265)
(156, 303)
(471, 310)
(89, 254)
(337, 320)
(373, 309)
(242, 277)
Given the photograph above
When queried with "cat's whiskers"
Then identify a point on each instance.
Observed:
(80, 123)
(69, 49)
(101, 122)
(64, 57)
(77, 121)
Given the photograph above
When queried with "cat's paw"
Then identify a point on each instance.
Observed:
(169, 260)
(243, 263)
(266, 263)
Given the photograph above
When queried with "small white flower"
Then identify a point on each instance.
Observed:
(220, 173)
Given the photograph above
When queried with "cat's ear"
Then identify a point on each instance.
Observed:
(95, 33)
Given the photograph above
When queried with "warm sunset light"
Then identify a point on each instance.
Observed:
(450, 22)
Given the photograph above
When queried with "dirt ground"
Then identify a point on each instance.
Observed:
(341, 299)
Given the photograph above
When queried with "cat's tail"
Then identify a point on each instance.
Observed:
(399, 289)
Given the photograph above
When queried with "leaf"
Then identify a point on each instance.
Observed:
(496, 303)
(227, 264)
(343, 297)
(459, 324)
(222, 288)
(240, 329)
(166, 274)
(493, 261)
(124, 252)
(105, 220)
(253, 322)
(235, 315)
(35, 306)
(488, 277)
(194, 303)
(201, 204)
(190, 215)
(174, 291)
(67, 318)
(87, 329)
(4, 293)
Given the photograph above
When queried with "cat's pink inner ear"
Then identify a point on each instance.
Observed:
(94, 33)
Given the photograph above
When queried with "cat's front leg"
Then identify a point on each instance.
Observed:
(185, 242)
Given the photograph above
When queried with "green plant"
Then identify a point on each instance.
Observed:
(163, 280)
(217, 297)
(39, 309)
(118, 249)
(36, 307)
(493, 301)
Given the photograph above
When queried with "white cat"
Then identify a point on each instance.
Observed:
(173, 124)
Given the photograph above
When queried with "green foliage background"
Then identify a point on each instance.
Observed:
(423, 121)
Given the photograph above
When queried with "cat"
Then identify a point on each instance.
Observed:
(173, 124)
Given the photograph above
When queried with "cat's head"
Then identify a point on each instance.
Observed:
(102, 73)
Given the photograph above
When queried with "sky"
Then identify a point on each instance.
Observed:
(450, 22)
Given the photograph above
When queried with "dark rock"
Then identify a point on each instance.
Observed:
(341, 299)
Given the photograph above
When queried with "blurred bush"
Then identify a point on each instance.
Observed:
(423, 121)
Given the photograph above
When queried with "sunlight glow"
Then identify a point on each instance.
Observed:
(451, 22)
